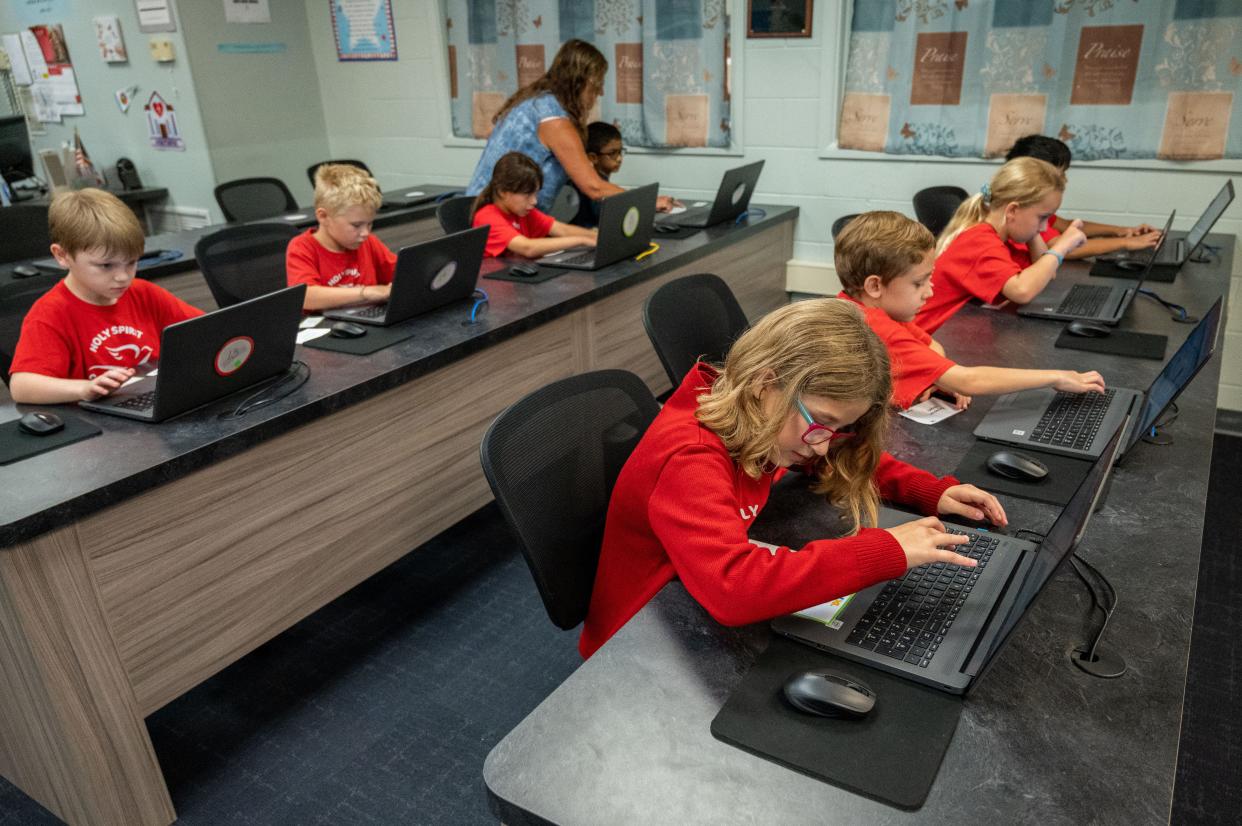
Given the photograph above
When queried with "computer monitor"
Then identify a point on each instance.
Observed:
(16, 161)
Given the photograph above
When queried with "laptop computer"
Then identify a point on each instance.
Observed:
(625, 226)
(211, 356)
(1105, 303)
(941, 625)
(1077, 424)
(1179, 250)
(427, 276)
(732, 199)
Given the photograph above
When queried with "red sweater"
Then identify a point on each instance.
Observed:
(976, 264)
(682, 507)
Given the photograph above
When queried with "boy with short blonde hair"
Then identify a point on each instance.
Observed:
(84, 338)
(884, 261)
(340, 261)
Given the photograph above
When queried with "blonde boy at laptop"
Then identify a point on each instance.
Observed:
(84, 338)
(884, 261)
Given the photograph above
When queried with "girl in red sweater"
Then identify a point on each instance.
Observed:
(507, 206)
(991, 250)
(807, 386)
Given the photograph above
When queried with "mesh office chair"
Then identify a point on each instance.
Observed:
(310, 170)
(565, 205)
(454, 213)
(23, 232)
(552, 460)
(934, 206)
(6, 361)
(253, 199)
(692, 318)
(244, 262)
(841, 223)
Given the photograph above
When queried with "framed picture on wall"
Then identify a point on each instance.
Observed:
(778, 18)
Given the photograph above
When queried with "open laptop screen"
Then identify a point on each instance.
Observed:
(1177, 373)
(1209, 217)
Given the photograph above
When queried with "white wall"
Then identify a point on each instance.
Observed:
(392, 116)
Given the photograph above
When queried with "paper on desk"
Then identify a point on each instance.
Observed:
(311, 334)
(310, 321)
(931, 411)
(415, 194)
(296, 216)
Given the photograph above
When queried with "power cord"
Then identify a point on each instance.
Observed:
(293, 378)
(1179, 313)
(1170, 416)
(1093, 660)
(481, 303)
(747, 214)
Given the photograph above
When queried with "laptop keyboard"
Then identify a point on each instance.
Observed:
(1084, 300)
(581, 258)
(909, 618)
(374, 311)
(1072, 419)
(143, 401)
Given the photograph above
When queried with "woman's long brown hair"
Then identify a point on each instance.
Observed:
(576, 67)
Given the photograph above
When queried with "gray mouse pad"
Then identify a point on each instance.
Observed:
(1118, 343)
(16, 444)
(1065, 474)
(891, 755)
(377, 338)
(544, 274)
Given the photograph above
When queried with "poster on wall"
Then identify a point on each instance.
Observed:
(363, 30)
(54, 86)
(111, 43)
(162, 128)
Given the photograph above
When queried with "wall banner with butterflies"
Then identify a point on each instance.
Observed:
(1112, 78)
(666, 83)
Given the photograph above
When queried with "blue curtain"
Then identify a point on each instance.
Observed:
(666, 62)
(1112, 78)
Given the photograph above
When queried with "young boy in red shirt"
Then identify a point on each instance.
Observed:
(84, 338)
(507, 206)
(884, 261)
(340, 261)
(991, 250)
(808, 385)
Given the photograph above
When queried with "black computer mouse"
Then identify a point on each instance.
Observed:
(1088, 329)
(24, 271)
(524, 270)
(828, 694)
(40, 423)
(1130, 265)
(1014, 465)
(659, 227)
(346, 329)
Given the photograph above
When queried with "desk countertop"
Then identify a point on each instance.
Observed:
(130, 457)
(626, 738)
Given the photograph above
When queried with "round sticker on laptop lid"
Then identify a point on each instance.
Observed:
(234, 353)
(444, 276)
(738, 193)
(629, 224)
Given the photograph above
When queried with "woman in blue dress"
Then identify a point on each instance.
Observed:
(546, 121)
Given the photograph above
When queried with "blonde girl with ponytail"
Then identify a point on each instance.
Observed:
(992, 250)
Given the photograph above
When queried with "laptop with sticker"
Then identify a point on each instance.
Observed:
(206, 358)
(427, 277)
(732, 199)
(625, 226)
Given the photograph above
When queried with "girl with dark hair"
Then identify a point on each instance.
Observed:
(546, 121)
(507, 206)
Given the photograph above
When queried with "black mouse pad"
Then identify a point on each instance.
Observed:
(544, 274)
(16, 444)
(1065, 474)
(1160, 273)
(377, 338)
(891, 755)
(680, 232)
(1118, 343)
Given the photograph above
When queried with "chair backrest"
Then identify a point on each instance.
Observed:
(454, 213)
(23, 232)
(244, 262)
(253, 199)
(566, 203)
(313, 168)
(692, 318)
(934, 206)
(552, 460)
(841, 222)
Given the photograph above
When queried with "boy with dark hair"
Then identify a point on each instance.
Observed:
(1101, 238)
(884, 261)
(605, 150)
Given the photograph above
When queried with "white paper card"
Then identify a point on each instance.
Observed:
(931, 411)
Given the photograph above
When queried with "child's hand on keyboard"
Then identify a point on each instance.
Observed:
(922, 540)
(1070, 382)
(105, 383)
(972, 503)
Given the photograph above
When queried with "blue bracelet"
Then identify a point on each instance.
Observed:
(1060, 257)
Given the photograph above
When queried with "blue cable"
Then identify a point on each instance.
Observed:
(479, 302)
(746, 214)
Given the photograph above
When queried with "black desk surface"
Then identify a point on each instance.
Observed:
(50, 490)
(129, 196)
(625, 739)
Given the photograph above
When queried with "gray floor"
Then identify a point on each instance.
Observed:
(380, 708)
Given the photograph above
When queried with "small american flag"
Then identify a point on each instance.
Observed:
(82, 161)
